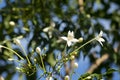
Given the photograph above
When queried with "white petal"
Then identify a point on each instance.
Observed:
(46, 29)
(75, 40)
(100, 43)
(64, 38)
(69, 33)
(69, 43)
(52, 24)
(0, 46)
(101, 39)
(72, 33)
(101, 33)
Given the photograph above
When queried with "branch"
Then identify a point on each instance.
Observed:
(81, 4)
(97, 63)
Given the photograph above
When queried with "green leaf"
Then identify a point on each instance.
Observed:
(84, 76)
(110, 71)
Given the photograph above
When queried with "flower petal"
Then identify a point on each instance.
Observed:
(64, 38)
(101, 33)
(70, 35)
(74, 40)
(100, 43)
(102, 40)
(69, 43)
(46, 29)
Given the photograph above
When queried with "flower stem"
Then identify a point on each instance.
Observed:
(42, 64)
(25, 54)
(13, 52)
(64, 51)
(83, 45)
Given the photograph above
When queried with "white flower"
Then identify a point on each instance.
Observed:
(99, 38)
(50, 29)
(70, 38)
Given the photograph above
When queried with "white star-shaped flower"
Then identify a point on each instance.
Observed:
(99, 38)
(50, 29)
(70, 38)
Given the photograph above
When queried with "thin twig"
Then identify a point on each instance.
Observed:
(97, 63)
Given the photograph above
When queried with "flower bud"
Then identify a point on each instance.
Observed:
(72, 57)
(66, 59)
(89, 77)
(75, 65)
(12, 23)
(59, 67)
(75, 53)
(80, 39)
(17, 41)
(52, 24)
(18, 68)
(10, 59)
(67, 77)
(35, 60)
(88, 15)
(38, 50)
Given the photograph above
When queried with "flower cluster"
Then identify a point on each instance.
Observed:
(70, 38)
(30, 68)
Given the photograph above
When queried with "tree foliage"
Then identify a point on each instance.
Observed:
(42, 23)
